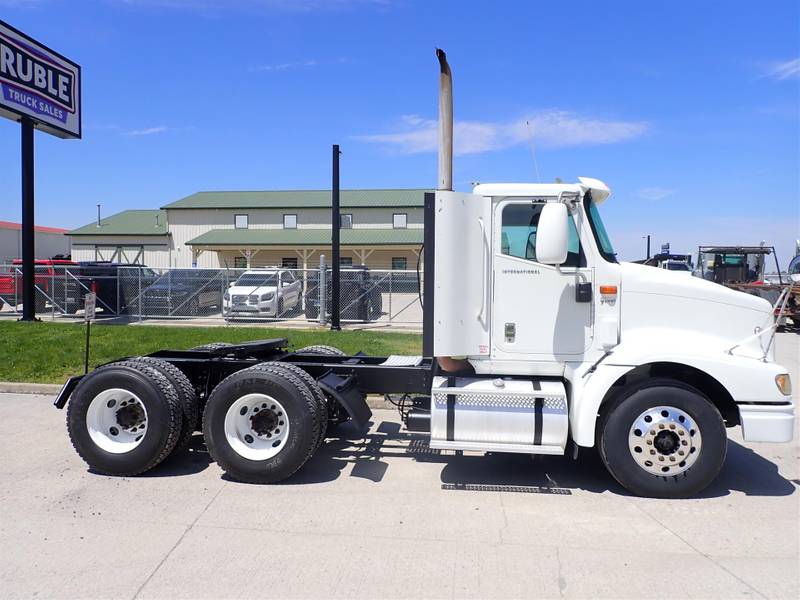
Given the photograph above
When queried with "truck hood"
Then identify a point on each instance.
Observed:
(246, 290)
(656, 300)
(649, 280)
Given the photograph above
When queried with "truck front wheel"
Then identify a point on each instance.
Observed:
(663, 439)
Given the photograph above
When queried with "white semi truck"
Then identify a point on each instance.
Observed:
(537, 340)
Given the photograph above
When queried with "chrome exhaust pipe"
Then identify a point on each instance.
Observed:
(445, 123)
(447, 363)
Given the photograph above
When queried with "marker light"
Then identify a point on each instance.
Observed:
(784, 383)
(608, 290)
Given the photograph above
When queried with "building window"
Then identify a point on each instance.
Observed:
(240, 221)
(346, 221)
(290, 221)
(400, 220)
(239, 262)
(399, 263)
(289, 262)
(345, 261)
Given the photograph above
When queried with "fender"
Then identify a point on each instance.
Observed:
(747, 380)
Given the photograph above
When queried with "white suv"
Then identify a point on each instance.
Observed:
(269, 292)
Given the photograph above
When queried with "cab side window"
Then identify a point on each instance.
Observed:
(518, 234)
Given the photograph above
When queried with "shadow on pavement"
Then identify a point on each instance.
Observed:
(744, 470)
(186, 461)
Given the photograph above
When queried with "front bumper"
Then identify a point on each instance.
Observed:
(268, 308)
(767, 422)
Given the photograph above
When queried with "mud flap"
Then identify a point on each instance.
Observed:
(66, 391)
(345, 391)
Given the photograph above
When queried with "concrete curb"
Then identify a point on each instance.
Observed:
(16, 387)
(51, 389)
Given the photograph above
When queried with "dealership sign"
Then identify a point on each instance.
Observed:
(39, 84)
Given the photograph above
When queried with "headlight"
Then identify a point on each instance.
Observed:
(784, 383)
(226, 296)
(267, 297)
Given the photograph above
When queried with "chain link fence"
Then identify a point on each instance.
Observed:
(273, 294)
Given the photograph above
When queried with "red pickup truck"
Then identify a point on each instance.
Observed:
(50, 279)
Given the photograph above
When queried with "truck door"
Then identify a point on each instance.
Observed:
(535, 309)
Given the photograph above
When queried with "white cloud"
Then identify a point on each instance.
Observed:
(286, 66)
(147, 131)
(789, 69)
(655, 193)
(551, 128)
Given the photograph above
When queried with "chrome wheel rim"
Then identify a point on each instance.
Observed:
(256, 426)
(116, 420)
(665, 441)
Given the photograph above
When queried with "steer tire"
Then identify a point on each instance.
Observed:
(320, 349)
(619, 438)
(163, 411)
(186, 395)
(229, 413)
(313, 387)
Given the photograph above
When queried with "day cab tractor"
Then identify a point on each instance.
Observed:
(536, 340)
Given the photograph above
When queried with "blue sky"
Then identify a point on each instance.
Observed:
(688, 110)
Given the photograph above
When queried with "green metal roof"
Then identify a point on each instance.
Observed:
(307, 237)
(302, 199)
(128, 222)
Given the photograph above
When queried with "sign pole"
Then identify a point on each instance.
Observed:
(89, 308)
(86, 356)
(28, 238)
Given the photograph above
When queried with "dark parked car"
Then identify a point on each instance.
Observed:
(360, 296)
(185, 292)
(118, 286)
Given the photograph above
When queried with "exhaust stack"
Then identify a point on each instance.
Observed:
(447, 363)
(445, 123)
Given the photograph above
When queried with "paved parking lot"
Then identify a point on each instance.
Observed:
(377, 514)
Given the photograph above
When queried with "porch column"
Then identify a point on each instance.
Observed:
(304, 255)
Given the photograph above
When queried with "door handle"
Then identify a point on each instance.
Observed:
(483, 271)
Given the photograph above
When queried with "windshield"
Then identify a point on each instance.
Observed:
(258, 279)
(794, 266)
(677, 266)
(599, 231)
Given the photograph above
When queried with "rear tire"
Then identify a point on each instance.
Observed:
(663, 439)
(261, 424)
(320, 349)
(211, 346)
(186, 395)
(124, 418)
(316, 391)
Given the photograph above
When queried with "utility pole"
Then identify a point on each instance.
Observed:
(336, 222)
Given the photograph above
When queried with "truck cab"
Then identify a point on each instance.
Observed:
(548, 313)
